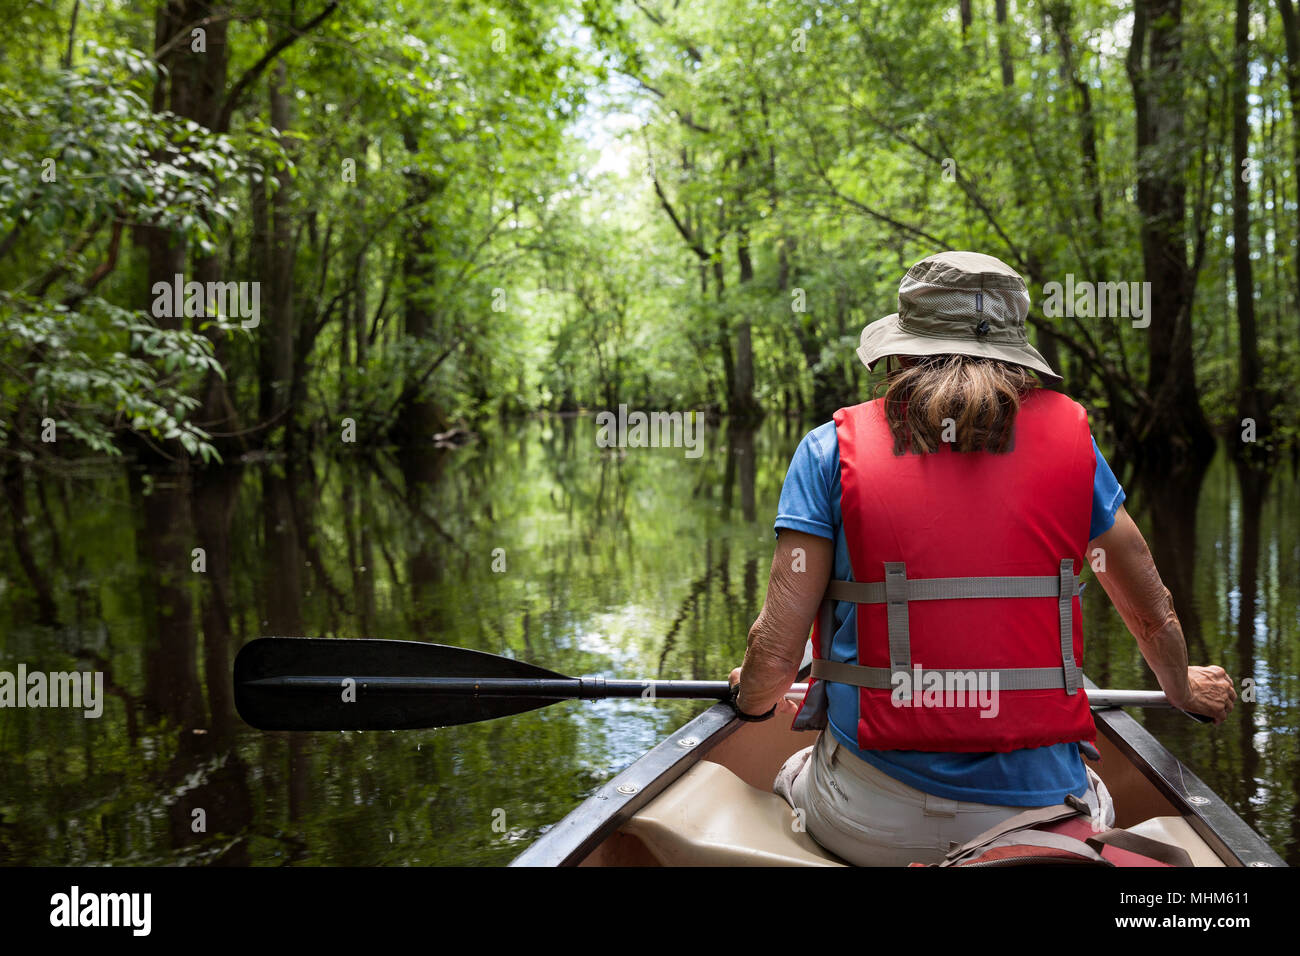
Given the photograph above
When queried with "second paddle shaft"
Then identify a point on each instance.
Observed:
(1097, 698)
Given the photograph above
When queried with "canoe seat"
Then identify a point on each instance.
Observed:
(710, 817)
(1176, 830)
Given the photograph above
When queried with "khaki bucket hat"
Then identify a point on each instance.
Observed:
(958, 302)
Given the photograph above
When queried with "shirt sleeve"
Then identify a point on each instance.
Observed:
(1107, 496)
(806, 494)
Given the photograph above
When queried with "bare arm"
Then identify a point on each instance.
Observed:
(777, 639)
(1131, 580)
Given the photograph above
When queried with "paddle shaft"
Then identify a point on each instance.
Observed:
(594, 688)
(565, 688)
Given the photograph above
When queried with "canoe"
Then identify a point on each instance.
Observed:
(703, 797)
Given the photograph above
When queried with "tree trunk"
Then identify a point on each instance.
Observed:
(1004, 44)
(359, 297)
(1291, 33)
(743, 405)
(276, 338)
(1061, 18)
(198, 89)
(164, 253)
(724, 327)
(259, 249)
(418, 417)
(1174, 430)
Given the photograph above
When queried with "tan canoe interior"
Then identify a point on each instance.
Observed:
(722, 811)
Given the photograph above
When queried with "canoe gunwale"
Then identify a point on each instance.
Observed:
(1227, 834)
(570, 841)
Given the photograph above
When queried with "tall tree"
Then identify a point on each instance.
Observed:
(278, 330)
(1174, 427)
(1291, 34)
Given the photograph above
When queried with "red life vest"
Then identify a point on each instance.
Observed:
(1004, 535)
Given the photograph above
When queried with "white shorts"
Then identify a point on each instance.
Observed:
(868, 818)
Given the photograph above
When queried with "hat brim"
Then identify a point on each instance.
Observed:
(884, 337)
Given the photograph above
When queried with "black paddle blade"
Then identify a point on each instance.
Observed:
(298, 683)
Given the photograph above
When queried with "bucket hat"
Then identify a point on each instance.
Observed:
(958, 302)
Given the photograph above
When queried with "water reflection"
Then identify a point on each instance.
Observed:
(531, 542)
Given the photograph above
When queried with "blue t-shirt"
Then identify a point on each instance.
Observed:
(810, 502)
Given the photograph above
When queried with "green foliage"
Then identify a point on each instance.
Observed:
(499, 209)
(88, 159)
(96, 369)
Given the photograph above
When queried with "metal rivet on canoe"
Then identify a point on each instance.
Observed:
(1198, 801)
(628, 789)
(688, 742)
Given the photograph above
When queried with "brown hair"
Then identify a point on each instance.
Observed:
(981, 396)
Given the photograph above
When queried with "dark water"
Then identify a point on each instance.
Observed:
(644, 564)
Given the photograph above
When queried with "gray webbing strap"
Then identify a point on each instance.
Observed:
(1066, 603)
(876, 678)
(1039, 816)
(944, 589)
(881, 678)
(900, 639)
(1027, 818)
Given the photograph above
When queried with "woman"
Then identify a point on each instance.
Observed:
(945, 525)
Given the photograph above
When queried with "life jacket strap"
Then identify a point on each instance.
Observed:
(897, 591)
(947, 589)
(882, 678)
